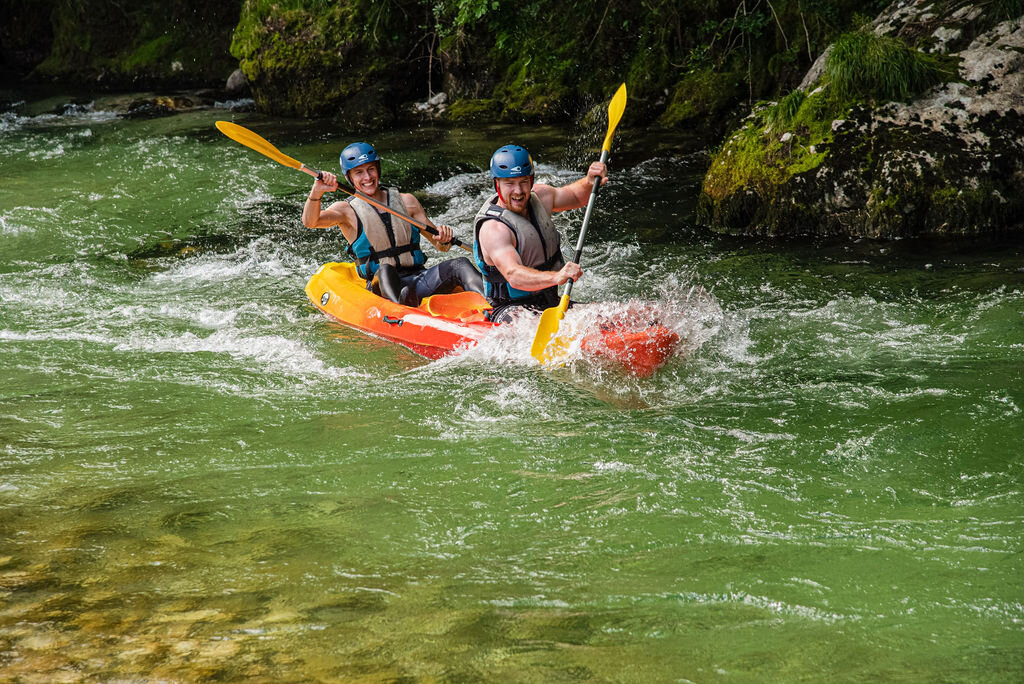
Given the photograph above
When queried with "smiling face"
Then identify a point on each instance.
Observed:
(365, 177)
(514, 193)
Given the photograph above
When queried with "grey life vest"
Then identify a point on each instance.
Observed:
(384, 239)
(537, 242)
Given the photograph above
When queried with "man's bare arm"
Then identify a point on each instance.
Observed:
(497, 244)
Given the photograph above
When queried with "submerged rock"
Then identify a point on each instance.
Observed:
(949, 161)
(159, 105)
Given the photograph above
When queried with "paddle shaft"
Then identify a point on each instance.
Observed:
(551, 318)
(380, 205)
(586, 221)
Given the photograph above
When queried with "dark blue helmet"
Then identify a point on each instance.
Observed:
(357, 154)
(511, 161)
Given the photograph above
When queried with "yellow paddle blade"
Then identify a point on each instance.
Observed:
(243, 135)
(615, 109)
(546, 329)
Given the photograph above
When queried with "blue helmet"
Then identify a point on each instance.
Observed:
(357, 154)
(511, 161)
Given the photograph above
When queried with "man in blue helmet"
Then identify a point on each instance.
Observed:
(517, 246)
(385, 247)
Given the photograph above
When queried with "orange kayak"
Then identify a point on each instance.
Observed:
(447, 323)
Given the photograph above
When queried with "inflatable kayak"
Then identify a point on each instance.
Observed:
(446, 323)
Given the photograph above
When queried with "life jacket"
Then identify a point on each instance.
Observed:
(383, 238)
(537, 242)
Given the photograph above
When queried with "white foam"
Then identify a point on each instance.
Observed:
(274, 352)
(48, 153)
(71, 115)
(443, 325)
(57, 335)
(241, 103)
(262, 258)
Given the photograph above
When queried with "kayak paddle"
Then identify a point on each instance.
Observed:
(550, 319)
(242, 135)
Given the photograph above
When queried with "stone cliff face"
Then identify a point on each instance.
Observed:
(949, 161)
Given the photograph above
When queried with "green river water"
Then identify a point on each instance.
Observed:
(204, 479)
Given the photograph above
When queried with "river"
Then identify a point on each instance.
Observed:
(203, 478)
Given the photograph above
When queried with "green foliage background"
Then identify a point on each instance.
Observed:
(117, 45)
(684, 61)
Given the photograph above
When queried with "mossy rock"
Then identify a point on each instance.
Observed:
(26, 35)
(366, 110)
(536, 105)
(875, 179)
(701, 96)
(469, 110)
(527, 96)
(319, 60)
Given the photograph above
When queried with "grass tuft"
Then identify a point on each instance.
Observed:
(1008, 9)
(781, 115)
(864, 65)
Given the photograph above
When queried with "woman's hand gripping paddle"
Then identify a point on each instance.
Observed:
(542, 349)
(244, 136)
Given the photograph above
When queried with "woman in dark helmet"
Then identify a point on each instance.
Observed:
(517, 247)
(386, 247)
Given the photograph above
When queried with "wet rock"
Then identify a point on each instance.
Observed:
(158, 106)
(432, 108)
(42, 641)
(22, 579)
(237, 84)
(365, 111)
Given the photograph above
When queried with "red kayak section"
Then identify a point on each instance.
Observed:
(641, 352)
(444, 324)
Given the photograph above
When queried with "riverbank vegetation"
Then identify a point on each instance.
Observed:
(865, 66)
(688, 64)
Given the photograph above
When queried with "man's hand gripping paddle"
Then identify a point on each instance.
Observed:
(542, 349)
(244, 136)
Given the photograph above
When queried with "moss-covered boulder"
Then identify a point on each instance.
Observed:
(469, 110)
(890, 141)
(342, 60)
